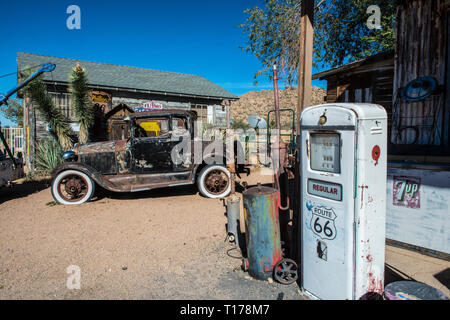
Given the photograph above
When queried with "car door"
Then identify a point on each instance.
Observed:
(152, 146)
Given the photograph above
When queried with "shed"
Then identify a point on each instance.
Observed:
(418, 182)
(116, 127)
(366, 80)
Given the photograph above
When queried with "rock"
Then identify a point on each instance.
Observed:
(261, 102)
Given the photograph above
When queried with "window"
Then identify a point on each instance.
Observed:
(202, 112)
(179, 126)
(325, 152)
(62, 101)
(154, 127)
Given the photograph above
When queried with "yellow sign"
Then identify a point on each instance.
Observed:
(151, 126)
(100, 97)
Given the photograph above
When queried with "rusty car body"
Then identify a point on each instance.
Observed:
(145, 160)
(11, 167)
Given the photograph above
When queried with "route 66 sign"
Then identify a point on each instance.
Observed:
(322, 221)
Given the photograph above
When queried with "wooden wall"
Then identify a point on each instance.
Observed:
(421, 50)
(370, 83)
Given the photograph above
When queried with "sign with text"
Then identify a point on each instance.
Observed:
(101, 100)
(325, 189)
(406, 192)
(148, 106)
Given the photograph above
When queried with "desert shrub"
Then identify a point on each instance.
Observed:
(240, 124)
(48, 155)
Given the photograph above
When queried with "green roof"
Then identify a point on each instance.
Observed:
(124, 77)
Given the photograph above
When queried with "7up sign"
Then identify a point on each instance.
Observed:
(406, 192)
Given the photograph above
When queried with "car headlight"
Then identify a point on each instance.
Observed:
(69, 155)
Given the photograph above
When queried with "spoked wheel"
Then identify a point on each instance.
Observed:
(214, 181)
(72, 187)
(286, 271)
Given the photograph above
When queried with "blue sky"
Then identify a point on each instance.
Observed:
(196, 37)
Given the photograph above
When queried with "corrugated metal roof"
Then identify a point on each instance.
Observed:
(131, 78)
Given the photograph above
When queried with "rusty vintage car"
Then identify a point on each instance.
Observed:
(147, 159)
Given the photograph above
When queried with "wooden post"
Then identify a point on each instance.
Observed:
(306, 56)
(229, 139)
(304, 100)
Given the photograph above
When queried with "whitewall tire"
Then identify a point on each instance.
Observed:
(72, 187)
(214, 181)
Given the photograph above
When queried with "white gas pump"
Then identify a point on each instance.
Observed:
(343, 199)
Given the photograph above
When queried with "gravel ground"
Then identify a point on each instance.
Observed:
(161, 244)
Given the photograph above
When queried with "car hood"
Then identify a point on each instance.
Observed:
(96, 147)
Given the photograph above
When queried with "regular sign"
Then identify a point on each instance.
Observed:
(325, 189)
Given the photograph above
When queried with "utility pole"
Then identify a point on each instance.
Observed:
(304, 100)
(306, 56)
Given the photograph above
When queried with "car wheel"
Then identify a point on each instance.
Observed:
(72, 187)
(214, 181)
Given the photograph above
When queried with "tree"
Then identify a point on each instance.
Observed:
(341, 33)
(13, 112)
(81, 101)
(58, 123)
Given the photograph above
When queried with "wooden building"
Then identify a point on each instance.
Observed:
(137, 89)
(422, 49)
(366, 80)
(116, 127)
(418, 188)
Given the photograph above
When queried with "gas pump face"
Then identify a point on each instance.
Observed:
(328, 190)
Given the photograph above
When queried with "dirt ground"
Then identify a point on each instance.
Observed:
(160, 244)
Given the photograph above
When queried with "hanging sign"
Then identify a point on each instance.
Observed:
(149, 106)
(102, 100)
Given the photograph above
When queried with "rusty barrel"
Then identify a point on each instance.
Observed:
(262, 231)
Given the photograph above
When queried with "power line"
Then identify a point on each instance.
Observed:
(13, 73)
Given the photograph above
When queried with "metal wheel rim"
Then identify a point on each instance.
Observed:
(73, 188)
(286, 271)
(216, 181)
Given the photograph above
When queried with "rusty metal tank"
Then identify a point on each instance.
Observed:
(262, 231)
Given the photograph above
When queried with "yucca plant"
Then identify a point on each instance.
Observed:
(81, 101)
(48, 155)
(43, 102)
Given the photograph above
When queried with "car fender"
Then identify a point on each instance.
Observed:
(88, 170)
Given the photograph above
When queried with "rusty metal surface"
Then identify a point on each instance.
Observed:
(175, 112)
(94, 147)
(145, 163)
(10, 172)
(262, 231)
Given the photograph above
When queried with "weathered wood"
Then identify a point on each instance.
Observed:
(306, 56)
(420, 51)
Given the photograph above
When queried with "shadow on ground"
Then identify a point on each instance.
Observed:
(444, 277)
(23, 189)
(101, 193)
